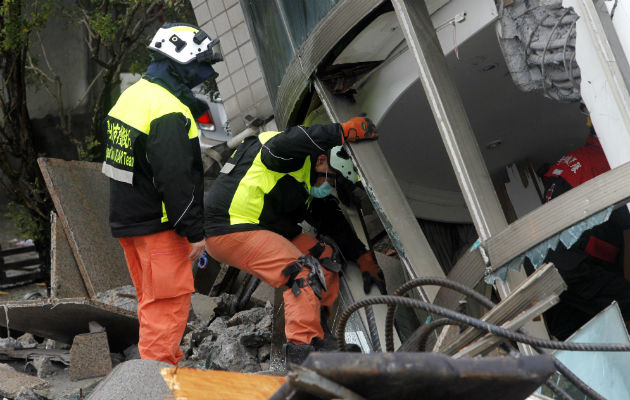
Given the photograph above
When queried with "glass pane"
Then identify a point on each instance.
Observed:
(271, 40)
(304, 15)
(605, 372)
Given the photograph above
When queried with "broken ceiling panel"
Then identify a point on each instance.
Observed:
(81, 197)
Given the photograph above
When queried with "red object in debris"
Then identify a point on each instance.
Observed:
(206, 119)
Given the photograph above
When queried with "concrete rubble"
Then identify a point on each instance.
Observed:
(80, 193)
(133, 380)
(12, 381)
(89, 356)
(239, 342)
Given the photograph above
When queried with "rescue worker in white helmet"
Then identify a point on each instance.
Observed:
(153, 160)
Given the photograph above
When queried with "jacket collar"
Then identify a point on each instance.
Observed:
(161, 73)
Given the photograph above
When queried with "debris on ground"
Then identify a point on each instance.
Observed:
(239, 342)
(123, 297)
(133, 380)
(11, 381)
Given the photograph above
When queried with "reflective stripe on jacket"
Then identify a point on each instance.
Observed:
(266, 182)
(154, 161)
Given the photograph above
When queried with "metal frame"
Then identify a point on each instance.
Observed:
(389, 201)
(339, 21)
(450, 117)
(607, 189)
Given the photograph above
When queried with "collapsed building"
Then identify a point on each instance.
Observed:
(471, 98)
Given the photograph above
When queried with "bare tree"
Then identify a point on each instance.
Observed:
(116, 32)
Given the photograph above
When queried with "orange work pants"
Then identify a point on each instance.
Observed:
(162, 275)
(265, 254)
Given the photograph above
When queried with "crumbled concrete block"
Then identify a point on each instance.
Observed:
(80, 193)
(132, 352)
(264, 352)
(254, 339)
(204, 306)
(53, 344)
(89, 356)
(41, 366)
(28, 394)
(11, 381)
(65, 277)
(26, 341)
(124, 297)
(133, 380)
(251, 316)
(95, 327)
(8, 343)
(62, 319)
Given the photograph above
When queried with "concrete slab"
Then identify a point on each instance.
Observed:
(89, 356)
(65, 278)
(63, 319)
(134, 380)
(11, 381)
(80, 193)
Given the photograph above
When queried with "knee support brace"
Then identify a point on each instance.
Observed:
(315, 278)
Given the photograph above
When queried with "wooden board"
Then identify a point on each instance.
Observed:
(200, 384)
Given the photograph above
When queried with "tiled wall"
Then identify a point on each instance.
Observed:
(240, 79)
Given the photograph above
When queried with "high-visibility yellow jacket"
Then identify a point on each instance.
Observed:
(154, 161)
(266, 182)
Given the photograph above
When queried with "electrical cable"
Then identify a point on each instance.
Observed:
(371, 319)
(474, 322)
(426, 330)
(560, 367)
(571, 377)
(389, 319)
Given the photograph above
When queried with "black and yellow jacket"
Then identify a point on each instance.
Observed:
(154, 160)
(266, 182)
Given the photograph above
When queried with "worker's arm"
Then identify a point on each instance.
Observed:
(328, 219)
(286, 151)
(177, 173)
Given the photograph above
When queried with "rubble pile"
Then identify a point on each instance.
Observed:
(122, 297)
(31, 369)
(239, 342)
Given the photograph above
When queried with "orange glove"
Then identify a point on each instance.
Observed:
(371, 272)
(358, 128)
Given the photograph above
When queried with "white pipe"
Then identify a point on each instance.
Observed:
(234, 141)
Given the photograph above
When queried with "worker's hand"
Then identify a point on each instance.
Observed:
(371, 273)
(358, 128)
(197, 250)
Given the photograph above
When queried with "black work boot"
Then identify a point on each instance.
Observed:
(329, 342)
(296, 353)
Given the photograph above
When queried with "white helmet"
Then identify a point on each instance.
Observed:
(184, 43)
(341, 161)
